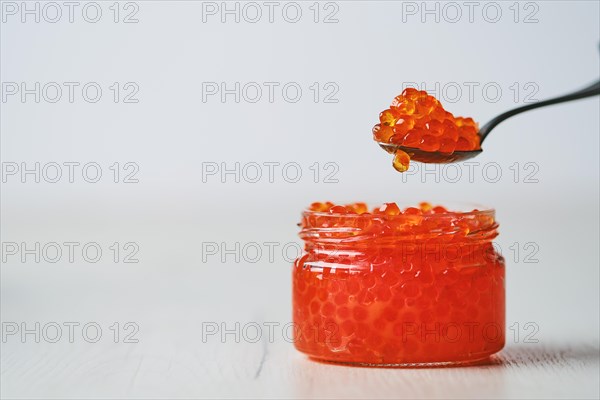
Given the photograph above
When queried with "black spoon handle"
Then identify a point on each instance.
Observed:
(592, 90)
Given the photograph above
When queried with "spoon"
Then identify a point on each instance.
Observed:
(443, 158)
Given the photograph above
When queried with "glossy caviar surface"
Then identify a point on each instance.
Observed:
(397, 286)
(417, 120)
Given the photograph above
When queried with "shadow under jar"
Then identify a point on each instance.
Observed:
(399, 290)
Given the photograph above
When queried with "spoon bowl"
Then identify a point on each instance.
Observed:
(433, 157)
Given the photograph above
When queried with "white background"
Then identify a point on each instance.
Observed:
(173, 212)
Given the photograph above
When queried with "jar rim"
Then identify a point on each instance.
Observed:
(476, 210)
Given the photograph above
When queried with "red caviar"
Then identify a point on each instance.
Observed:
(418, 120)
(419, 285)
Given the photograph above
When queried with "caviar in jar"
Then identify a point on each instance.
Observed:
(414, 286)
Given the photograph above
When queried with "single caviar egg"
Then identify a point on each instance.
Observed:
(401, 161)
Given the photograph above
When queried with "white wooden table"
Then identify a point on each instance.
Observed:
(172, 359)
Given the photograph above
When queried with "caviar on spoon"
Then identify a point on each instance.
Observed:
(417, 127)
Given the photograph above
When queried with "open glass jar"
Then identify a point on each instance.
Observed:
(416, 288)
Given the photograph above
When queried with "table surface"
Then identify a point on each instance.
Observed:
(238, 356)
(568, 371)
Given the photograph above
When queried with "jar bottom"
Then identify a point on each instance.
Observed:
(483, 360)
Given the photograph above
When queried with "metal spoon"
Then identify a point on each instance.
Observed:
(441, 158)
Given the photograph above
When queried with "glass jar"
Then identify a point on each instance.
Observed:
(399, 290)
